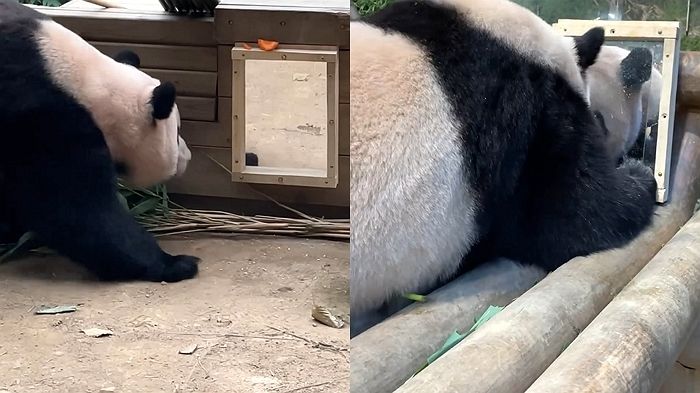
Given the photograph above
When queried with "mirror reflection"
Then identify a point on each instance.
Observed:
(625, 87)
(286, 113)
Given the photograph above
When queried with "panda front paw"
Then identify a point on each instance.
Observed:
(641, 174)
(179, 267)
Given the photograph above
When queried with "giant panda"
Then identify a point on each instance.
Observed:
(71, 118)
(625, 88)
(471, 139)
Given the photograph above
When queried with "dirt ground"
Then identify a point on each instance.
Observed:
(248, 312)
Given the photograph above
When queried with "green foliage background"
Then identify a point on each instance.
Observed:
(552, 10)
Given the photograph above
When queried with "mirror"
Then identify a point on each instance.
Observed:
(647, 96)
(286, 114)
(633, 87)
(285, 103)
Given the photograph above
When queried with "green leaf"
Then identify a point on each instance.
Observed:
(415, 297)
(123, 201)
(145, 206)
(56, 310)
(455, 337)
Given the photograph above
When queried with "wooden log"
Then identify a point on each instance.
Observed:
(387, 354)
(635, 340)
(689, 79)
(517, 345)
(690, 357)
(681, 380)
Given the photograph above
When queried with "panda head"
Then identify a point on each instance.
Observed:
(619, 89)
(145, 144)
(136, 113)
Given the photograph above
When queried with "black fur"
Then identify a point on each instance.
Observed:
(635, 69)
(128, 57)
(163, 100)
(251, 159)
(58, 178)
(533, 151)
(121, 168)
(588, 46)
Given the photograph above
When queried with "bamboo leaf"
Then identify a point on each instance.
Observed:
(455, 337)
(123, 201)
(26, 243)
(144, 207)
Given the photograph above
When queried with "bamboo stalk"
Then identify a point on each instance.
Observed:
(183, 221)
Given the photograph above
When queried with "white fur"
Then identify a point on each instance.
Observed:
(411, 210)
(622, 108)
(525, 33)
(118, 97)
(406, 232)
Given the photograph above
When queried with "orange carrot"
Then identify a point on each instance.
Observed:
(267, 45)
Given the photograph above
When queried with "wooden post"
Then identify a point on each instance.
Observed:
(689, 80)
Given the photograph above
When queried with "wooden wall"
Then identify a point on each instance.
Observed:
(195, 54)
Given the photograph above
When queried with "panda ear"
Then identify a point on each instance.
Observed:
(163, 100)
(128, 57)
(588, 46)
(635, 69)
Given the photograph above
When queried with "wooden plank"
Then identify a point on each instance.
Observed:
(167, 57)
(344, 129)
(205, 133)
(197, 108)
(188, 83)
(344, 77)
(205, 178)
(135, 27)
(319, 5)
(210, 134)
(225, 73)
(136, 5)
(225, 65)
(287, 27)
(621, 29)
